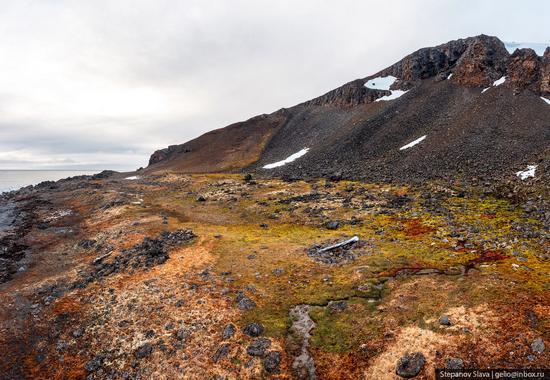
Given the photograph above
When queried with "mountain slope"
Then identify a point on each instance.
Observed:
(479, 110)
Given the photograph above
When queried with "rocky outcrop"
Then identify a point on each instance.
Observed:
(524, 70)
(545, 73)
(350, 94)
(483, 62)
(163, 154)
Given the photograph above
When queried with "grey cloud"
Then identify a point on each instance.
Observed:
(119, 79)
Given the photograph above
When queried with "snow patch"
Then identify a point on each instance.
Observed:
(381, 83)
(384, 83)
(539, 48)
(131, 178)
(394, 95)
(290, 158)
(500, 81)
(413, 143)
(546, 100)
(529, 172)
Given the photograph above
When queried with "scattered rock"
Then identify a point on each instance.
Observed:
(454, 363)
(94, 364)
(253, 329)
(182, 334)
(332, 225)
(272, 361)
(337, 306)
(143, 351)
(228, 331)
(245, 303)
(410, 365)
(258, 347)
(444, 320)
(221, 352)
(339, 251)
(538, 346)
(149, 253)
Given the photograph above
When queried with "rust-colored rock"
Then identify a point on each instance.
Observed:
(524, 70)
(545, 73)
(483, 62)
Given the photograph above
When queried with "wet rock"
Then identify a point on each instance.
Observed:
(444, 320)
(337, 306)
(454, 363)
(253, 329)
(221, 352)
(538, 346)
(228, 331)
(410, 365)
(143, 351)
(272, 361)
(258, 347)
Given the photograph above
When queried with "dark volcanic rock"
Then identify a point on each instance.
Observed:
(143, 351)
(221, 352)
(272, 361)
(332, 225)
(253, 329)
(454, 363)
(228, 331)
(145, 255)
(258, 347)
(445, 320)
(538, 346)
(244, 303)
(410, 365)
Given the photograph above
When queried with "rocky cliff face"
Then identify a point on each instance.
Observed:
(474, 62)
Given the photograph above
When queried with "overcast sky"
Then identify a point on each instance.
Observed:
(103, 83)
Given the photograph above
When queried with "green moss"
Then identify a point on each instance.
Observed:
(346, 330)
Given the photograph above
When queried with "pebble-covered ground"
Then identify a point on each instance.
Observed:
(232, 277)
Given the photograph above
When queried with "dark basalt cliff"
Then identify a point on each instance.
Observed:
(471, 133)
